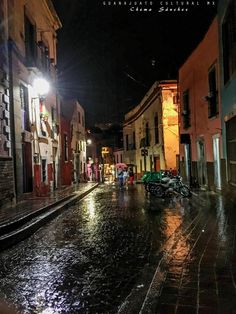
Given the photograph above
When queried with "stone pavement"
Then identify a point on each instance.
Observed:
(197, 271)
(33, 207)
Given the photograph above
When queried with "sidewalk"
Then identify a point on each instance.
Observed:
(196, 273)
(16, 222)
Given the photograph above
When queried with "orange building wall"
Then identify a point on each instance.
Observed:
(193, 75)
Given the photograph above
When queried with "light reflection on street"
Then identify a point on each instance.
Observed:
(221, 219)
(99, 246)
(91, 209)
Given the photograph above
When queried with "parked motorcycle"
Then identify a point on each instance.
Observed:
(169, 185)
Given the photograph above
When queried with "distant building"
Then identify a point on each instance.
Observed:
(151, 133)
(118, 155)
(201, 160)
(73, 142)
(227, 22)
(66, 161)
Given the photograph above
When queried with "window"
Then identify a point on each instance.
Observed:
(134, 142)
(30, 42)
(79, 118)
(127, 141)
(186, 111)
(121, 159)
(156, 129)
(229, 41)
(213, 94)
(24, 107)
(43, 54)
(54, 127)
(147, 135)
(44, 170)
(65, 147)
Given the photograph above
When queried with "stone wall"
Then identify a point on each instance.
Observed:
(6, 180)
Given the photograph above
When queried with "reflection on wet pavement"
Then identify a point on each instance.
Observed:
(101, 255)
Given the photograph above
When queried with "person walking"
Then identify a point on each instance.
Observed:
(131, 176)
(120, 176)
(125, 178)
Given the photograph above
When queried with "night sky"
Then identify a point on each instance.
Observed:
(108, 57)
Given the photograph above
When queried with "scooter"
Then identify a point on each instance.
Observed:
(169, 185)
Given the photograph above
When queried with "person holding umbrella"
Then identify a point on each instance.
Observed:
(125, 178)
(120, 175)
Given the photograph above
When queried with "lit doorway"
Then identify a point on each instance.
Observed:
(216, 157)
(201, 164)
(187, 161)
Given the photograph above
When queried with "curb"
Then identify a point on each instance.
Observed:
(29, 224)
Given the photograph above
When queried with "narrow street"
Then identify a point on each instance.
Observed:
(100, 256)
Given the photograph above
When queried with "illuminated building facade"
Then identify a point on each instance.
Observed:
(73, 142)
(201, 159)
(32, 58)
(151, 133)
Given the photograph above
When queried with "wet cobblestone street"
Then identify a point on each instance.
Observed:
(101, 255)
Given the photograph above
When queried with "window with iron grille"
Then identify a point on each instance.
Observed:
(24, 100)
(134, 141)
(213, 93)
(186, 110)
(44, 56)
(229, 41)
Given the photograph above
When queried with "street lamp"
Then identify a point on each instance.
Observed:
(41, 86)
(89, 142)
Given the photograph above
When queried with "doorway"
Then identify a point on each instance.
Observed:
(157, 163)
(201, 164)
(216, 157)
(27, 168)
(187, 161)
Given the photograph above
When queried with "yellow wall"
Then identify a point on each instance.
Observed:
(158, 100)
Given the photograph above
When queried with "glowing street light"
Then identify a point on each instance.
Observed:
(89, 142)
(41, 86)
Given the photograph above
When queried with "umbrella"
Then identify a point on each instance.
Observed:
(121, 165)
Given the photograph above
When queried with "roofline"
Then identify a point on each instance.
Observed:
(53, 13)
(149, 98)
